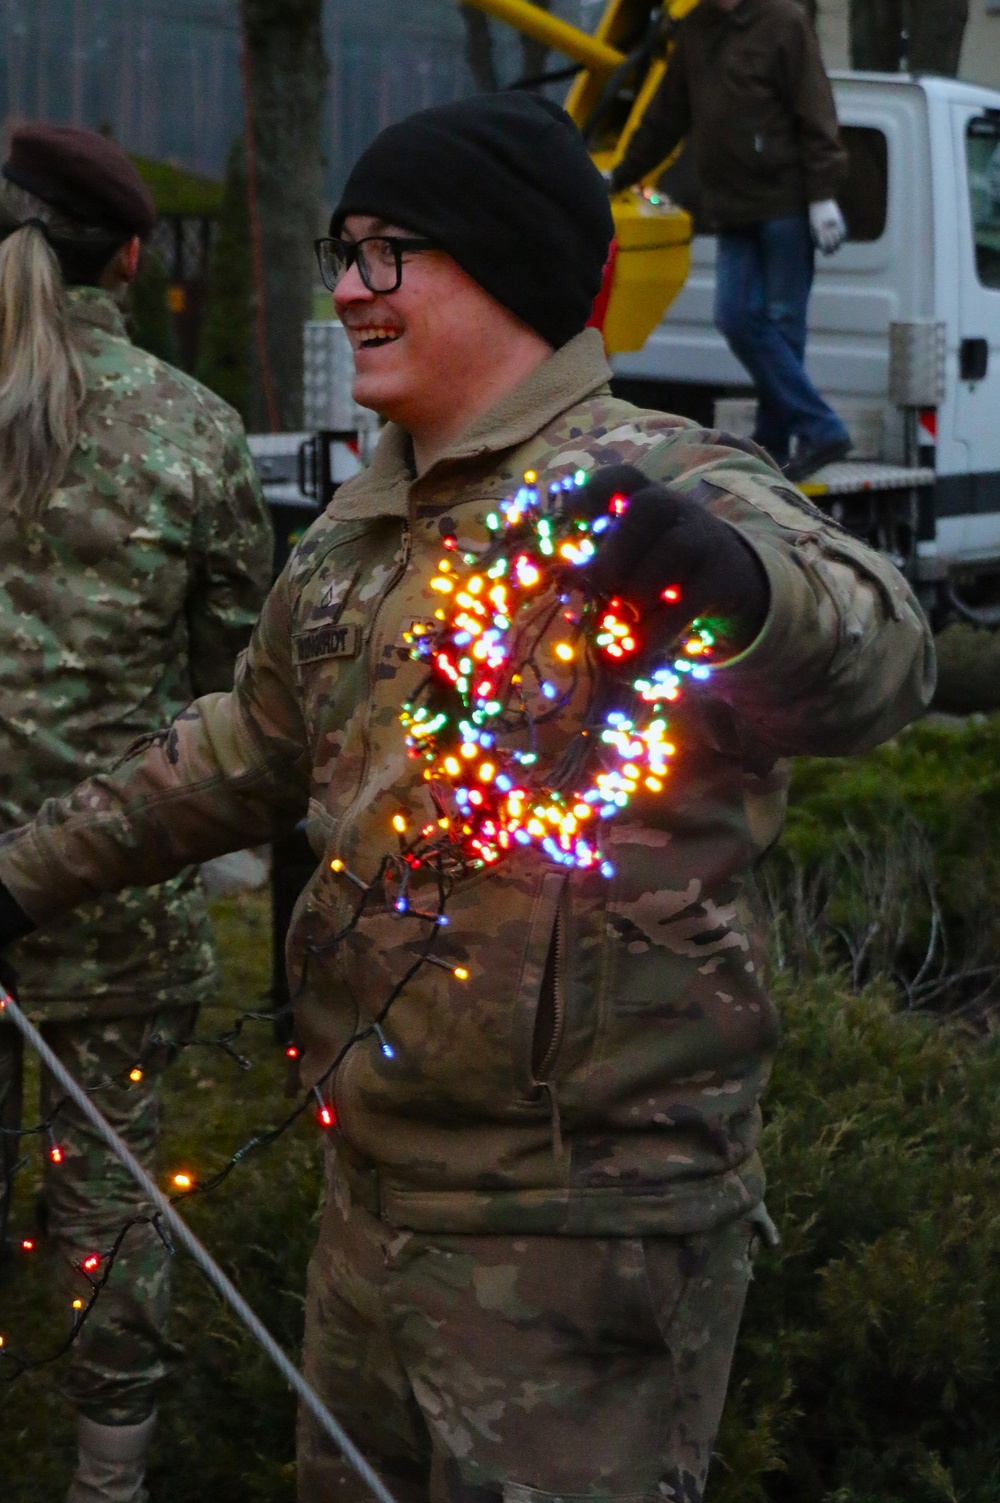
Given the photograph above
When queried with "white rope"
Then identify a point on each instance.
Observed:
(208, 1265)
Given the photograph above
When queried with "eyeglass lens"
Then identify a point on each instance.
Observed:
(378, 262)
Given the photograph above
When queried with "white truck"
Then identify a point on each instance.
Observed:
(904, 337)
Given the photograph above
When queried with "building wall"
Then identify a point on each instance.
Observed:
(831, 23)
(981, 45)
(980, 48)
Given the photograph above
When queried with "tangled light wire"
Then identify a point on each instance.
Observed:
(204, 1260)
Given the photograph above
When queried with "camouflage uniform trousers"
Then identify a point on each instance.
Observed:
(477, 1368)
(122, 1351)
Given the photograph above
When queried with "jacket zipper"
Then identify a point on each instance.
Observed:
(552, 1011)
(558, 1001)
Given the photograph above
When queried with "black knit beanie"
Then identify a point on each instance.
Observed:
(504, 184)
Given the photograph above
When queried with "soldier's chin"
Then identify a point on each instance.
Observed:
(372, 394)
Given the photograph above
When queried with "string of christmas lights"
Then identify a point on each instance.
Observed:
(470, 722)
(183, 1182)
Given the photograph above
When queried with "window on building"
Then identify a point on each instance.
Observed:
(982, 154)
(864, 196)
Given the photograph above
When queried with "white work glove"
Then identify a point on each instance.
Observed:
(827, 224)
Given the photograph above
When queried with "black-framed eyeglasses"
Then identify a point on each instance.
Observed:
(379, 259)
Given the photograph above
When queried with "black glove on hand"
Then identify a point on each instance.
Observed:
(664, 541)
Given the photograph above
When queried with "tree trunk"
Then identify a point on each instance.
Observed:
(479, 52)
(936, 31)
(479, 49)
(923, 35)
(284, 75)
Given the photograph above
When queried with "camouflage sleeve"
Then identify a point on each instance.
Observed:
(845, 657)
(231, 771)
(230, 565)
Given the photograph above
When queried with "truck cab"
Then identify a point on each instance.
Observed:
(904, 336)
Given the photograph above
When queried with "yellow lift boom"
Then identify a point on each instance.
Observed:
(621, 67)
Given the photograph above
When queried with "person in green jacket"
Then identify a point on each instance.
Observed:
(134, 557)
(544, 1192)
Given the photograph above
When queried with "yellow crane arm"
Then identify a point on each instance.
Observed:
(549, 30)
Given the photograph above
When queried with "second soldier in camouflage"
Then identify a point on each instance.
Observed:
(127, 587)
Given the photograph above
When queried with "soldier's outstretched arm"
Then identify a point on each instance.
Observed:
(231, 771)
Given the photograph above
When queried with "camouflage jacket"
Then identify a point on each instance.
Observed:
(132, 594)
(628, 1102)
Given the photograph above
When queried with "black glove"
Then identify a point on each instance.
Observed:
(672, 560)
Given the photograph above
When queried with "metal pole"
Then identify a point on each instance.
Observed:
(208, 1265)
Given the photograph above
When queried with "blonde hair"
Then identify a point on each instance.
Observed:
(41, 377)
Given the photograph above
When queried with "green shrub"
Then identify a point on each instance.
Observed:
(890, 864)
(968, 670)
(869, 1362)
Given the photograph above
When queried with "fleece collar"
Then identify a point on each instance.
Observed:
(389, 488)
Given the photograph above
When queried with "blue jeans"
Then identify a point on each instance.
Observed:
(763, 276)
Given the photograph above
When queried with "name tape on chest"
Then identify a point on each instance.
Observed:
(326, 642)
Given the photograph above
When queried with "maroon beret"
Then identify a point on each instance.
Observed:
(83, 175)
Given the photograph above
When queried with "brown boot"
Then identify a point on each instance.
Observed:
(111, 1462)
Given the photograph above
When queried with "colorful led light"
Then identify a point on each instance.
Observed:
(473, 699)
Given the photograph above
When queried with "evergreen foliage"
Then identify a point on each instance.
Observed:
(868, 1368)
(224, 355)
(890, 863)
(178, 190)
(149, 321)
(968, 670)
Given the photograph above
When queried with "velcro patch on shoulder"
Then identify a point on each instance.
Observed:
(326, 642)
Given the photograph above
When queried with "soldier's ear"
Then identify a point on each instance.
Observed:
(123, 265)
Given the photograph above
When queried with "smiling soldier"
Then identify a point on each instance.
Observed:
(544, 1191)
